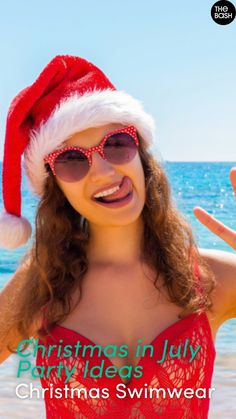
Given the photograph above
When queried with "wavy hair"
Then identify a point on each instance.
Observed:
(58, 259)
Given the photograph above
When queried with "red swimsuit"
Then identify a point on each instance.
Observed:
(172, 374)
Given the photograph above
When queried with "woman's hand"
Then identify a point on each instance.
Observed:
(218, 228)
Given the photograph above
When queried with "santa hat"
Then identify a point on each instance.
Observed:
(70, 95)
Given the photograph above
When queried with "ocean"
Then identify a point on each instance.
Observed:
(204, 184)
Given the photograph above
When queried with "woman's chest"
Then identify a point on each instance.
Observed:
(126, 309)
(118, 309)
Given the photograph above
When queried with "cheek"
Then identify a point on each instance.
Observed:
(72, 192)
(138, 172)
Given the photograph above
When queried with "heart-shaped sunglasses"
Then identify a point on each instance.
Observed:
(72, 163)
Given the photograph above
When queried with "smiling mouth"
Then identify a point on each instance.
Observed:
(125, 190)
(112, 200)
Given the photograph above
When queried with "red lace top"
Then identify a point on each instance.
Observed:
(173, 374)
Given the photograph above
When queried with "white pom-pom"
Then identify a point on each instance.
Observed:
(14, 231)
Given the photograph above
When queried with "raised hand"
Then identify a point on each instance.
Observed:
(218, 228)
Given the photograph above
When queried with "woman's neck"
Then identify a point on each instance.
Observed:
(115, 245)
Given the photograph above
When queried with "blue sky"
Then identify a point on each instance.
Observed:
(170, 55)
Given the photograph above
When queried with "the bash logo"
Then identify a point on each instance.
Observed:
(223, 12)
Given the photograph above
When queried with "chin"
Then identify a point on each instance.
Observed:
(118, 220)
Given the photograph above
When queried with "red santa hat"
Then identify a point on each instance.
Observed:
(70, 95)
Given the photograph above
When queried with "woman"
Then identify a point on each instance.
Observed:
(113, 265)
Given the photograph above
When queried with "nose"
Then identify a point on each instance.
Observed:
(100, 168)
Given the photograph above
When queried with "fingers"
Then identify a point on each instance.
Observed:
(232, 176)
(218, 228)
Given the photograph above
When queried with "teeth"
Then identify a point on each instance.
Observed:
(107, 192)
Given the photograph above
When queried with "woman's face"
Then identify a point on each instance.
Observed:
(102, 174)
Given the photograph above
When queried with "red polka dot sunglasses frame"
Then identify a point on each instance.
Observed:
(72, 163)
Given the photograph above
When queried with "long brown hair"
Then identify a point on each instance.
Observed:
(58, 259)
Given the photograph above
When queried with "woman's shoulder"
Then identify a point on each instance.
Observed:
(223, 265)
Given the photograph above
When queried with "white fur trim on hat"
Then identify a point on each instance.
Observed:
(14, 231)
(76, 114)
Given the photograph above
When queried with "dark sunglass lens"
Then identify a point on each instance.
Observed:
(120, 148)
(72, 165)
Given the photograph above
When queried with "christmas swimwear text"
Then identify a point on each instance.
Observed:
(61, 352)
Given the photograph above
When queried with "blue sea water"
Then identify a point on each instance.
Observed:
(204, 184)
